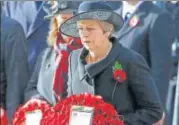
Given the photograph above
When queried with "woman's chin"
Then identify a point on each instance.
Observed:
(87, 46)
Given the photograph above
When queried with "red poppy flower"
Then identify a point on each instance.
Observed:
(19, 116)
(119, 75)
(134, 21)
(104, 113)
(3, 117)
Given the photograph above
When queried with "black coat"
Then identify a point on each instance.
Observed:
(136, 98)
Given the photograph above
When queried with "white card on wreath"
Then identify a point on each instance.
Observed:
(81, 115)
(33, 118)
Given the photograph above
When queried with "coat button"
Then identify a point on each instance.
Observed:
(48, 66)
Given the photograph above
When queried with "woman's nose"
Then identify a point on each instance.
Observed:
(85, 33)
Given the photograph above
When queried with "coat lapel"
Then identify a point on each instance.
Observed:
(83, 74)
(45, 80)
(39, 20)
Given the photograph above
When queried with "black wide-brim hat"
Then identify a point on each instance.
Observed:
(89, 10)
(60, 7)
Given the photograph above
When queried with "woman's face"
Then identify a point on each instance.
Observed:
(62, 18)
(91, 34)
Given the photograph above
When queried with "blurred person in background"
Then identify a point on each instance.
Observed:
(50, 75)
(175, 45)
(176, 103)
(14, 68)
(175, 56)
(30, 15)
(171, 6)
(142, 32)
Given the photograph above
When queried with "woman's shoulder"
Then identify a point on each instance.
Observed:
(130, 56)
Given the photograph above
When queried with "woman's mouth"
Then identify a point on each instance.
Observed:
(86, 41)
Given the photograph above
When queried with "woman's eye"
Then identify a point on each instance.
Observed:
(79, 28)
(90, 29)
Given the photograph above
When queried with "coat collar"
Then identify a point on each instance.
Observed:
(39, 20)
(93, 69)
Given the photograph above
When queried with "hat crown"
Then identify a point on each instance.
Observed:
(54, 6)
(91, 5)
(51, 6)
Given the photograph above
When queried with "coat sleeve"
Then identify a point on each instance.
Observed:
(16, 68)
(161, 36)
(143, 89)
(31, 91)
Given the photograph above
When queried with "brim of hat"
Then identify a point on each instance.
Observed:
(69, 27)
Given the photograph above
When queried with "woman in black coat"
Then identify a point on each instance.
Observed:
(104, 67)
